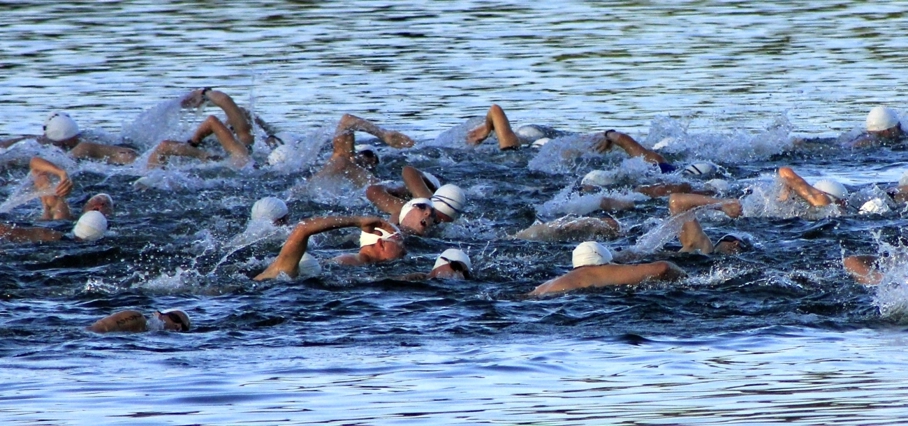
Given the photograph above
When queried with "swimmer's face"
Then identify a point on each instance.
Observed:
(419, 219)
(453, 271)
(366, 159)
(100, 203)
(174, 320)
(385, 250)
(281, 221)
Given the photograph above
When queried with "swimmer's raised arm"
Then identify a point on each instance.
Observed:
(393, 138)
(417, 183)
(54, 206)
(612, 137)
(294, 248)
(796, 183)
(384, 200)
(496, 121)
(610, 274)
(236, 116)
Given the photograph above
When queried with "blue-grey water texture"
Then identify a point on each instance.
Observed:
(777, 335)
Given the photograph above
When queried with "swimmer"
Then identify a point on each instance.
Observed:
(379, 242)
(593, 268)
(432, 203)
(55, 206)
(692, 237)
(135, 322)
(452, 264)
(498, 122)
(61, 130)
(823, 193)
(91, 226)
(882, 128)
(345, 163)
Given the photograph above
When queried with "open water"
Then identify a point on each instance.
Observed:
(777, 335)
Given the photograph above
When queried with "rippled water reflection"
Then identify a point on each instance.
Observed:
(779, 335)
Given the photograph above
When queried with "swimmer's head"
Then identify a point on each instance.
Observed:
(91, 226)
(452, 263)
(270, 209)
(529, 133)
(834, 189)
(449, 201)
(382, 245)
(700, 170)
(174, 320)
(365, 156)
(590, 253)
(732, 244)
(595, 179)
(417, 216)
(101, 203)
(59, 126)
(881, 118)
(309, 266)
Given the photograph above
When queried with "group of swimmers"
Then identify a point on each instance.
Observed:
(417, 206)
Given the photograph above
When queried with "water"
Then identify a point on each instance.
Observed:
(780, 334)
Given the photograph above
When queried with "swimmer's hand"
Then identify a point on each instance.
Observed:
(65, 186)
(195, 98)
(397, 139)
(606, 143)
(369, 223)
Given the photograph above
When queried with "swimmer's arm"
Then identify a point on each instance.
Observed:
(352, 123)
(125, 321)
(496, 121)
(236, 116)
(288, 259)
(38, 166)
(682, 202)
(663, 189)
(862, 269)
(813, 196)
(28, 234)
(381, 197)
(693, 239)
(629, 145)
(416, 183)
(108, 153)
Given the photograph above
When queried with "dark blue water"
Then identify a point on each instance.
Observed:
(778, 334)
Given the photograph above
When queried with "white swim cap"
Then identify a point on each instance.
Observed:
(450, 200)
(280, 155)
(91, 226)
(590, 253)
(368, 238)
(453, 255)
(881, 118)
(59, 126)
(598, 178)
(875, 205)
(539, 143)
(410, 206)
(431, 178)
(831, 187)
(269, 209)
(700, 169)
(530, 132)
(309, 266)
